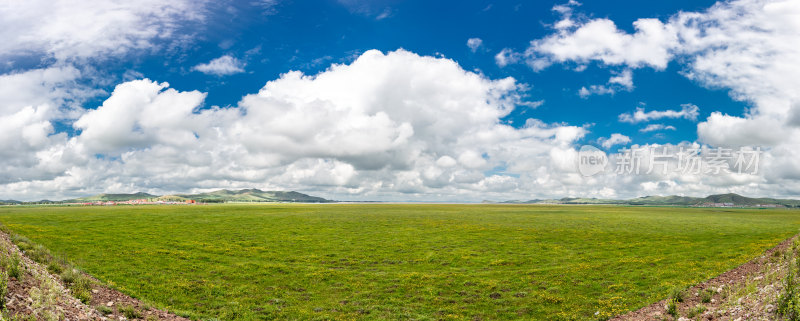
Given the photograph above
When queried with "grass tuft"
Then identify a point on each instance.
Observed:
(788, 304)
(54, 267)
(678, 294)
(11, 264)
(696, 311)
(129, 311)
(45, 300)
(104, 310)
(707, 295)
(3, 289)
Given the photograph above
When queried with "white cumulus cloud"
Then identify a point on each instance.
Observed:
(474, 44)
(622, 81)
(222, 66)
(601, 40)
(506, 57)
(613, 140)
(385, 125)
(743, 46)
(69, 30)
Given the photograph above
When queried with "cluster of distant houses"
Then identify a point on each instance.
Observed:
(734, 205)
(136, 202)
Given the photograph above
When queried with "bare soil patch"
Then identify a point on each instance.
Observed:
(747, 292)
(44, 296)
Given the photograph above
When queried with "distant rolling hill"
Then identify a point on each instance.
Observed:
(666, 200)
(673, 200)
(742, 200)
(244, 195)
(114, 197)
(254, 195)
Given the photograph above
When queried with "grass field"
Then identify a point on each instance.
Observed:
(406, 262)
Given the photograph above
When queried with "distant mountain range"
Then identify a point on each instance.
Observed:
(252, 195)
(256, 195)
(719, 200)
(220, 196)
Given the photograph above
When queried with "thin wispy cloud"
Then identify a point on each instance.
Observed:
(688, 111)
(657, 127)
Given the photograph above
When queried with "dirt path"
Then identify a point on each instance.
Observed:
(36, 292)
(113, 299)
(44, 296)
(747, 292)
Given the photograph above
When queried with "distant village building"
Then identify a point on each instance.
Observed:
(138, 202)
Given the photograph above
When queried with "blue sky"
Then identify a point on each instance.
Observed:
(214, 79)
(310, 36)
(288, 36)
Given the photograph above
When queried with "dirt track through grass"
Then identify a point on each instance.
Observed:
(423, 262)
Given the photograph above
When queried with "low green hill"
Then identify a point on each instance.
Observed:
(254, 195)
(739, 200)
(665, 200)
(113, 197)
(732, 198)
(583, 200)
(171, 198)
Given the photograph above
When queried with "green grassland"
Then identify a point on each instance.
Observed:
(401, 262)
